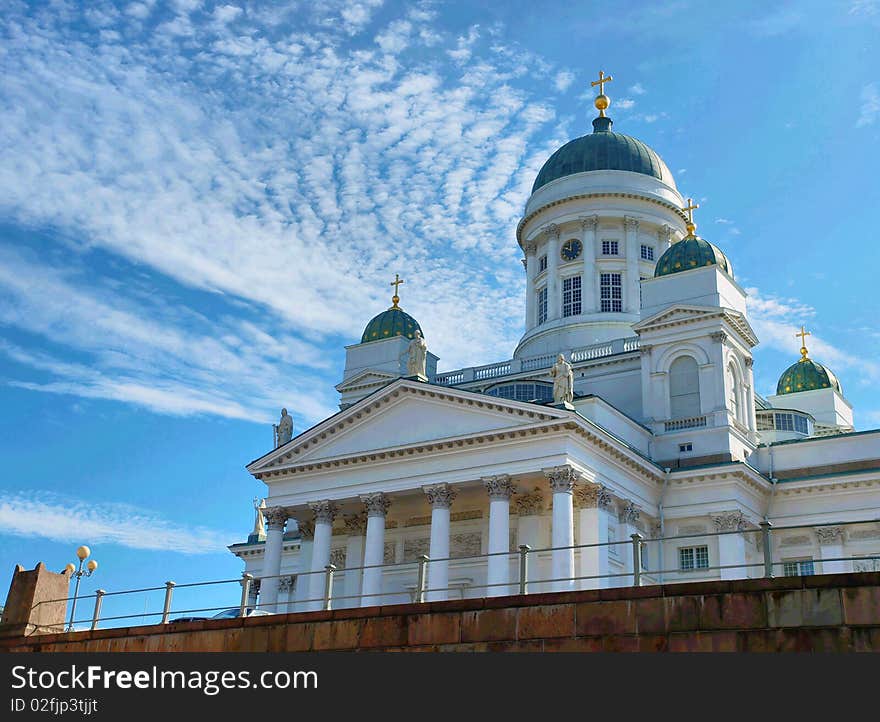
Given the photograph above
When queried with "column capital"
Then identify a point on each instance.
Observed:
(831, 535)
(355, 524)
(286, 584)
(562, 478)
(276, 517)
(718, 336)
(630, 223)
(629, 512)
(730, 521)
(499, 486)
(440, 496)
(552, 231)
(664, 234)
(529, 504)
(749, 362)
(376, 504)
(325, 511)
(530, 247)
(589, 223)
(592, 496)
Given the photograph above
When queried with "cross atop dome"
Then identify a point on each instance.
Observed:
(395, 299)
(602, 101)
(689, 209)
(803, 337)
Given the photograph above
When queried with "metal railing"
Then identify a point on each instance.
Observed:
(520, 567)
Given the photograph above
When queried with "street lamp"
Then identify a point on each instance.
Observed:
(83, 553)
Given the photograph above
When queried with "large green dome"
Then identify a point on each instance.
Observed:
(603, 150)
(806, 375)
(393, 322)
(690, 252)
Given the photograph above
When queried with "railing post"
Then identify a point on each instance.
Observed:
(166, 610)
(524, 550)
(246, 580)
(768, 549)
(423, 577)
(637, 559)
(96, 615)
(328, 585)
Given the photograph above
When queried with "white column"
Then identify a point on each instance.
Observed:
(306, 543)
(500, 490)
(731, 547)
(562, 480)
(325, 513)
(374, 551)
(440, 497)
(276, 517)
(356, 527)
(593, 502)
(554, 296)
(831, 540)
(531, 271)
(589, 297)
(633, 254)
(529, 508)
(628, 517)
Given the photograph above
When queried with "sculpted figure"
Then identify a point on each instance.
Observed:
(259, 524)
(284, 429)
(417, 356)
(563, 380)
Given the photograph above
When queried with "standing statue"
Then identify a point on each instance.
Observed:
(563, 381)
(259, 523)
(283, 429)
(417, 356)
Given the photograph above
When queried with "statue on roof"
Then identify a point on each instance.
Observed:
(259, 523)
(283, 429)
(417, 356)
(563, 381)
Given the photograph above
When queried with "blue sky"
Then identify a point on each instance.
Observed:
(204, 202)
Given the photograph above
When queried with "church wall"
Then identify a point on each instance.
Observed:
(819, 454)
(825, 405)
(708, 286)
(596, 409)
(619, 386)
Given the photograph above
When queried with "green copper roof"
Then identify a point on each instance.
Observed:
(603, 150)
(690, 252)
(806, 375)
(393, 322)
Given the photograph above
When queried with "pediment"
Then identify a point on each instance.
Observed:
(365, 379)
(404, 413)
(677, 315)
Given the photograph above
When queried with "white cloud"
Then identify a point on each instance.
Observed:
(61, 519)
(625, 103)
(870, 109)
(563, 80)
(637, 89)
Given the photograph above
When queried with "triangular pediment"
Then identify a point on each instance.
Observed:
(679, 315)
(402, 414)
(365, 379)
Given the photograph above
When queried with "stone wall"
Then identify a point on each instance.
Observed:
(36, 602)
(835, 612)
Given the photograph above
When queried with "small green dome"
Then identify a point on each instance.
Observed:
(393, 322)
(603, 150)
(806, 375)
(690, 252)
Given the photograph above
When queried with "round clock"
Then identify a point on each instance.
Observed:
(571, 249)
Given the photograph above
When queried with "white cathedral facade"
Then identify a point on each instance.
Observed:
(665, 436)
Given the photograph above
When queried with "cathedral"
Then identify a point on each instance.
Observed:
(622, 442)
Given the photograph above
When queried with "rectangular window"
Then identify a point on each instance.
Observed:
(571, 296)
(610, 248)
(800, 424)
(542, 264)
(647, 253)
(684, 448)
(784, 422)
(798, 568)
(690, 558)
(542, 305)
(610, 292)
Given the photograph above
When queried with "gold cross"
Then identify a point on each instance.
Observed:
(395, 299)
(803, 337)
(601, 82)
(689, 209)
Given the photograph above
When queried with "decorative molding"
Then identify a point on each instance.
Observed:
(730, 521)
(592, 496)
(287, 584)
(562, 478)
(552, 231)
(629, 513)
(718, 336)
(376, 504)
(589, 223)
(529, 504)
(276, 517)
(499, 487)
(306, 529)
(749, 361)
(465, 545)
(355, 524)
(531, 247)
(414, 548)
(664, 234)
(440, 496)
(325, 511)
(831, 535)
(630, 223)
(337, 557)
(793, 541)
(389, 553)
(691, 529)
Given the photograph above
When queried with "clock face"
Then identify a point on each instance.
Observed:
(571, 249)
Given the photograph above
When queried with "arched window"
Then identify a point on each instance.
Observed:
(684, 388)
(733, 392)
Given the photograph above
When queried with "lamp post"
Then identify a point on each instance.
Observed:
(83, 553)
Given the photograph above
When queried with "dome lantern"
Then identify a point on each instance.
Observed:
(392, 322)
(691, 251)
(805, 374)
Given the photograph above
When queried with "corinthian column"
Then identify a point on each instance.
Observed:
(325, 513)
(589, 299)
(633, 253)
(276, 517)
(731, 547)
(831, 540)
(562, 480)
(440, 497)
(593, 502)
(554, 297)
(500, 490)
(374, 552)
(355, 528)
(531, 271)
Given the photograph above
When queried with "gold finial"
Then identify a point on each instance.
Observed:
(395, 299)
(803, 337)
(602, 102)
(689, 209)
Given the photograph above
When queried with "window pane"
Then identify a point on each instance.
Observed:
(684, 388)
(686, 558)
